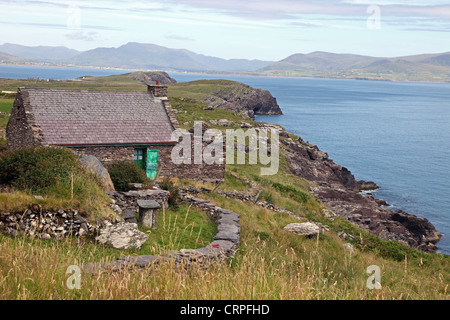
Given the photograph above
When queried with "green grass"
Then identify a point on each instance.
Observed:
(202, 89)
(6, 105)
(119, 82)
(4, 120)
(183, 227)
(191, 111)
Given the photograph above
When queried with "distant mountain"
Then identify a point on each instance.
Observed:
(146, 56)
(39, 53)
(425, 67)
(7, 58)
(321, 61)
(135, 55)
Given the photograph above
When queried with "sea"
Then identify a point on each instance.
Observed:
(396, 134)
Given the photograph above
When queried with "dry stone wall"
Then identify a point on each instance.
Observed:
(45, 224)
(222, 248)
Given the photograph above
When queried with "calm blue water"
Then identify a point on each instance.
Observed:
(396, 134)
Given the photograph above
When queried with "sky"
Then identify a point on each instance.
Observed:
(250, 29)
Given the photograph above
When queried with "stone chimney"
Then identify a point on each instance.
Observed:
(157, 90)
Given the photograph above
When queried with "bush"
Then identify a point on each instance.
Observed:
(36, 169)
(266, 196)
(123, 173)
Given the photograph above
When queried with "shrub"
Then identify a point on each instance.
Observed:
(266, 196)
(123, 173)
(36, 169)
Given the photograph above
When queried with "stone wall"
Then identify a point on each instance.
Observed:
(214, 172)
(171, 114)
(106, 154)
(123, 201)
(222, 248)
(45, 224)
(21, 130)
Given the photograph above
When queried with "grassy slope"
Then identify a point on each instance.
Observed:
(270, 263)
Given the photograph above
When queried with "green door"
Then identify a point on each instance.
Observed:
(152, 163)
(139, 158)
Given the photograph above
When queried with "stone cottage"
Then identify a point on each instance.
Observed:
(110, 125)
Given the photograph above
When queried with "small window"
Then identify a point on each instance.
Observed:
(138, 154)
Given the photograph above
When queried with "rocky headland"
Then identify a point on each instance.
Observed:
(244, 100)
(152, 76)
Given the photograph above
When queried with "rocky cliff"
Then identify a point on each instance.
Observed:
(246, 101)
(232, 95)
(337, 188)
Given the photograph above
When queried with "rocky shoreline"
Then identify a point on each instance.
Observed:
(339, 191)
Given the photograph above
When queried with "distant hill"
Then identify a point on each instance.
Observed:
(147, 56)
(7, 58)
(39, 53)
(135, 55)
(425, 67)
(321, 61)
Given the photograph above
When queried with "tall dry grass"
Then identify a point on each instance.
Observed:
(32, 269)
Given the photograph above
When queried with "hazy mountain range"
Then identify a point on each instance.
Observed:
(133, 55)
(425, 67)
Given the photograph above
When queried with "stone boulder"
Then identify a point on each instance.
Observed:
(122, 236)
(307, 229)
(94, 165)
(225, 123)
(129, 216)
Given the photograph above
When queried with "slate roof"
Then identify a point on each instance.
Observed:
(88, 117)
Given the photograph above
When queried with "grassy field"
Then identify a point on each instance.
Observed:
(270, 263)
(121, 82)
(6, 105)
